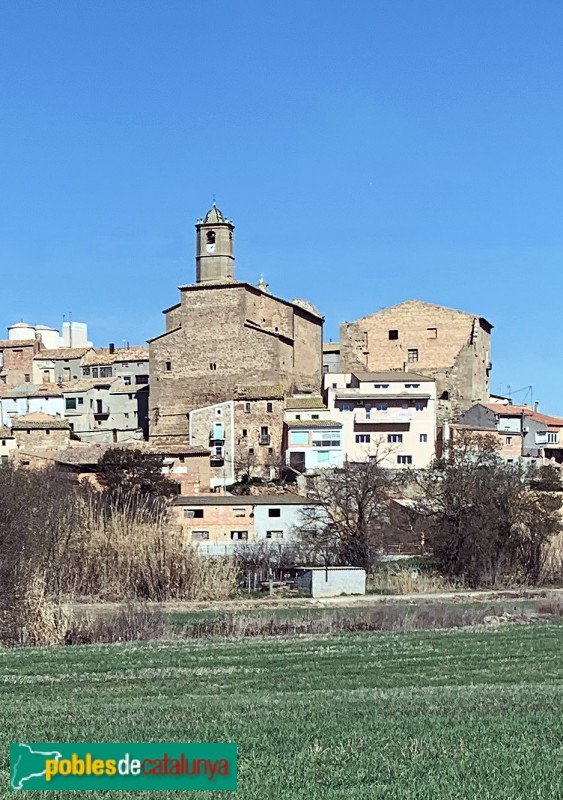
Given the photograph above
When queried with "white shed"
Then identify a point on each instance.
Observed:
(331, 581)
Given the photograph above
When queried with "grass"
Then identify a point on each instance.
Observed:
(424, 715)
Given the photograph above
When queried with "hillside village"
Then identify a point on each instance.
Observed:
(240, 385)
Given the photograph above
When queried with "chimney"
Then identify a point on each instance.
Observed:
(111, 348)
(536, 405)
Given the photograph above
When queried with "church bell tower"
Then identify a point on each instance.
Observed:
(215, 260)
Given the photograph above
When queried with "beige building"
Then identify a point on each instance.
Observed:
(226, 338)
(385, 415)
(7, 445)
(453, 347)
(58, 366)
(40, 430)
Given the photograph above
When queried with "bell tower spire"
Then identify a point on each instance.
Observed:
(215, 260)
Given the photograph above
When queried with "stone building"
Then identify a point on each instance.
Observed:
(40, 430)
(453, 347)
(16, 360)
(226, 338)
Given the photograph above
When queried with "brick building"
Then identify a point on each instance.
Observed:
(453, 347)
(226, 340)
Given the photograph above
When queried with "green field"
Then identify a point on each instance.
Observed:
(431, 715)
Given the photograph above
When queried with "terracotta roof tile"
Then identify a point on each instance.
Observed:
(305, 401)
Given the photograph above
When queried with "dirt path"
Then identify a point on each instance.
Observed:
(273, 602)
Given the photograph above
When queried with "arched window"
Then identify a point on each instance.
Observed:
(210, 237)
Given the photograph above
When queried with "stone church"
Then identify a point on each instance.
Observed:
(230, 341)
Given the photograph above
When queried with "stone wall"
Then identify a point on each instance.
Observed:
(451, 346)
(232, 336)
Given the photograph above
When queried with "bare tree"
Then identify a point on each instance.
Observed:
(350, 510)
(487, 523)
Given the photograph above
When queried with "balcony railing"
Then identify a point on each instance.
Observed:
(265, 438)
(391, 415)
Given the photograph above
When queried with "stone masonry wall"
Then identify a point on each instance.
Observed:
(453, 347)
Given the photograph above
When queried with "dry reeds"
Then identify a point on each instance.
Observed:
(123, 552)
(409, 581)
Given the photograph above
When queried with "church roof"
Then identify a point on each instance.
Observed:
(214, 215)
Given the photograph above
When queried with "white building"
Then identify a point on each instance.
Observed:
(385, 413)
(75, 334)
(28, 399)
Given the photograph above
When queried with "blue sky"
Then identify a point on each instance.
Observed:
(368, 152)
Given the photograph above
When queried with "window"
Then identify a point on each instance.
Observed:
(404, 459)
(247, 408)
(106, 372)
(412, 355)
(80, 401)
(218, 412)
(432, 333)
(314, 416)
(552, 438)
(27, 377)
(509, 440)
(210, 237)
(239, 512)
(395, 438)
(298, 416)
(47, 432)
(218, 451)
(95, 372)
(213, 366)
(420, 406)
(423, 437)
(298, 437)
(381, 406)
(3, 443)
(239, 535)
(274, 534)
(139, 379)
(244, 432)
(193, 513)
(127, 380)
(200, 535)
(325, 368)
(274, 512)
(270, 451)
(269, 407)
(250, 451)
(70, 403)
(393, 334)
(5, 460)
(126, 415)
(412, 385)
(380, 385)
(323, 456)
(168, 366)
(326, 439)
(363, 438)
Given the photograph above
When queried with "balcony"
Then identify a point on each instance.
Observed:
(373, 416)
(215, 442)
(101, 414)
(264, 438)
